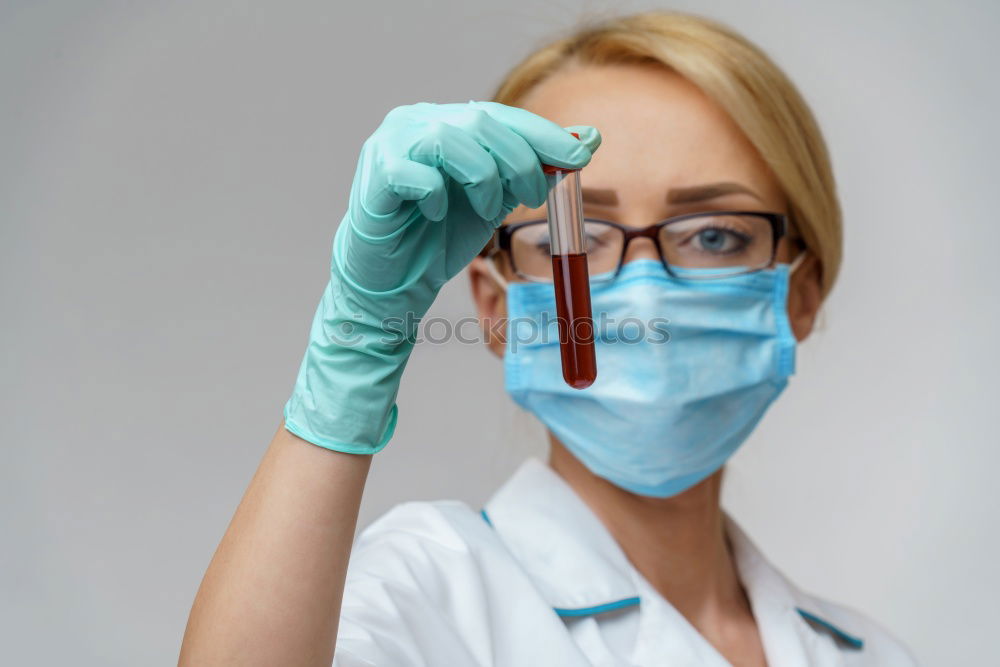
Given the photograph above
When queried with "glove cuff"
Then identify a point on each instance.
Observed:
(347, 447)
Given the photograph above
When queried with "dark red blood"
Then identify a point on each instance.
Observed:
(576, 324)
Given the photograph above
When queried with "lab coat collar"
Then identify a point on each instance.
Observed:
(580, 570)
(564, 548)
(772, 594)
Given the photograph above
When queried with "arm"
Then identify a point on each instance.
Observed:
(272, 593)
(432, 184)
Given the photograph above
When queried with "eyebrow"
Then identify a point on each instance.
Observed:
(602, 196)
(708, 191)
(694, 193)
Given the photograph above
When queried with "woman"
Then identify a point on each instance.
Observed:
(617, 552)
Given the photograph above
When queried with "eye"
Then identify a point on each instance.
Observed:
(721, 241)
(596, 241)
(601, 237)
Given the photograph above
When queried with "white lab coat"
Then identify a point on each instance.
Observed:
(536, 579)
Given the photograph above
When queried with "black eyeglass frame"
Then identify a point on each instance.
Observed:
(778, 221)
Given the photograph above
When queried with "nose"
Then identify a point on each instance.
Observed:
(641, 248)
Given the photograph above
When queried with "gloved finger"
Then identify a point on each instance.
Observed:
(518, 164)
(553, 144)
(464, 160)
(589, 136)
(398, 180)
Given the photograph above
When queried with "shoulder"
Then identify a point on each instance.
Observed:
(862, 640)
(449, 524)
(881, 646)
(430, 583)
(427, 551)
(406, 571)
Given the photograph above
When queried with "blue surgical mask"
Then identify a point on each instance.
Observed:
(685, 370)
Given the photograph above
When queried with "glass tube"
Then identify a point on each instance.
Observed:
(570, 277)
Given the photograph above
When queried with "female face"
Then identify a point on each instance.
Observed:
(667, 150)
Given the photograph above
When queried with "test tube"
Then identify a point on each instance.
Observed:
(570, 276)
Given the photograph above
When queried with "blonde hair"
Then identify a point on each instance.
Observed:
(742, 80)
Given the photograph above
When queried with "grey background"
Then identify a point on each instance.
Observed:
(171, 174)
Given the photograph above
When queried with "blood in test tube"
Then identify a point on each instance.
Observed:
(576, 324)
(570, 277)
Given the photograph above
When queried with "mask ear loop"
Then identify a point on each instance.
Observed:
(491, 267)
(797, 262)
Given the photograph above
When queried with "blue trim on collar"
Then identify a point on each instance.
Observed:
(847, 638)
(597, 609)
(581, 611)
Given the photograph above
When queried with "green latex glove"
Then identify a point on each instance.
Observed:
(432, 184)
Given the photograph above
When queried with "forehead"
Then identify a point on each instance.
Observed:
(658, 129)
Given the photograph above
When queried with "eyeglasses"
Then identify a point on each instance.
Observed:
(697, 246)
